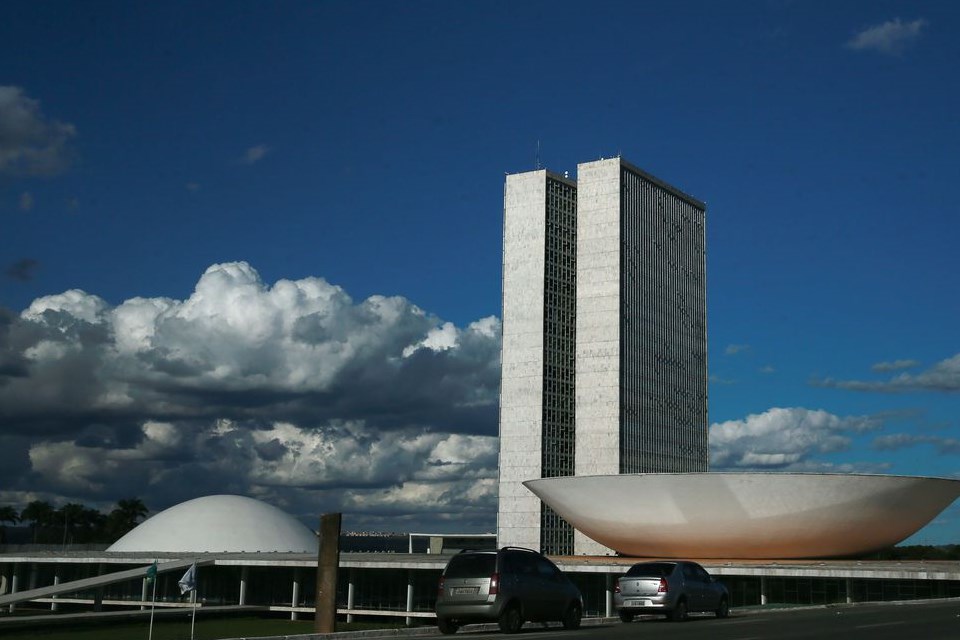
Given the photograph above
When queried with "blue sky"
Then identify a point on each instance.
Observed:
(255, 247)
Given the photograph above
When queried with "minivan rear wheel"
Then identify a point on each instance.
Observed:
(724, 609)
(679, 613)
(511, 620)
(571, 617)
(447, 627)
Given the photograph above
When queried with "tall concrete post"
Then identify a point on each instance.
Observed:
(328, 562)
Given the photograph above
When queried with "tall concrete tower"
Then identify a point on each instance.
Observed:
(537, 357)
(604, 338)
(641, 364)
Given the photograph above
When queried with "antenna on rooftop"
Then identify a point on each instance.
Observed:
(538, 155)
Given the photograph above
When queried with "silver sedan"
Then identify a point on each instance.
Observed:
(672, 588)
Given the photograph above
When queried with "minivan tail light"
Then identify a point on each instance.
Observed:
(616, 588)
(440, 586)
(663, 586)
(494, 584)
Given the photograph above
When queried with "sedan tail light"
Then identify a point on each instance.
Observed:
(494, 584)
(663, 586)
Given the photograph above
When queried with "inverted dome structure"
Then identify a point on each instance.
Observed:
(746, 515)
(219, 523)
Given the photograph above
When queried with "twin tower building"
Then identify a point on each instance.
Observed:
(604, 359)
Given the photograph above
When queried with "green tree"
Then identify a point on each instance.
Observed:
(40, 515)
(125, 516)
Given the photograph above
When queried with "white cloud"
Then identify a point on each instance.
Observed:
(891, 37)
(26, 201)
(75, 303)
(782, 438)
(896, 441)
(30, 144)
(254, 154)
(895, 365)
(943, 377)
(734, 349)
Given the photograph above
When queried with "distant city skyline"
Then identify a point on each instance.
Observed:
(255, 249)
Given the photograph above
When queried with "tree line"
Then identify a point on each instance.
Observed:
(75, 523)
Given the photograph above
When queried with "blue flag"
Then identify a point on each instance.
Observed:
(189, 580)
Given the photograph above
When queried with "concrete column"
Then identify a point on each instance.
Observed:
(98, 593)
(763, 590)
(32, 584)
(244, 576)
(350, 593)
(143, 595)
(608, 596)
(409, 596)
(295, 598)
(14, 587)
(328, 564)
(56, 581)
(848, 585)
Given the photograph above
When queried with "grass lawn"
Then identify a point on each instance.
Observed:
(206, 629)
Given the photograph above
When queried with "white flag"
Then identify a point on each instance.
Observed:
(189, 580)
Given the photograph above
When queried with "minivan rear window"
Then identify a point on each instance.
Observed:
(651, 570)
(471, 565)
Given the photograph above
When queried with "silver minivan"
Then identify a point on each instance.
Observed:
(509, 586)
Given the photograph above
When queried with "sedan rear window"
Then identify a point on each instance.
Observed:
(651, 570)
(471, 565)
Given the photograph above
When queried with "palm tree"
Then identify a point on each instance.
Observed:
(7, 514)
(72, 516)
(126, 516)
(40, 514)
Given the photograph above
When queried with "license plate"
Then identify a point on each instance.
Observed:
(637, 603)
(465, 591)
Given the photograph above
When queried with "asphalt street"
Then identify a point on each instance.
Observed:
(938, 620)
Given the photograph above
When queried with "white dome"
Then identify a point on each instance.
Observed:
(219, 523)
(746, 515)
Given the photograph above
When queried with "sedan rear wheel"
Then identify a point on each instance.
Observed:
(510, 620)
(626, 616)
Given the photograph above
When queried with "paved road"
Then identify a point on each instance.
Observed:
(938, 620)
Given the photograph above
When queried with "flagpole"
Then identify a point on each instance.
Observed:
(193, 618)
(153, 602)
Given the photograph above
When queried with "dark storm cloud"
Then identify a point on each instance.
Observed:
(293, 392)
(22, 270)
(30, 143)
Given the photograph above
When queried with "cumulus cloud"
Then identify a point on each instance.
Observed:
(891, 37)
(943, 377)
(292, 391)
(30, 143)
(254, 154)
(783, 438)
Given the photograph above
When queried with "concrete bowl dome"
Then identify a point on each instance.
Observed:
(219, 523)
(746, 515)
